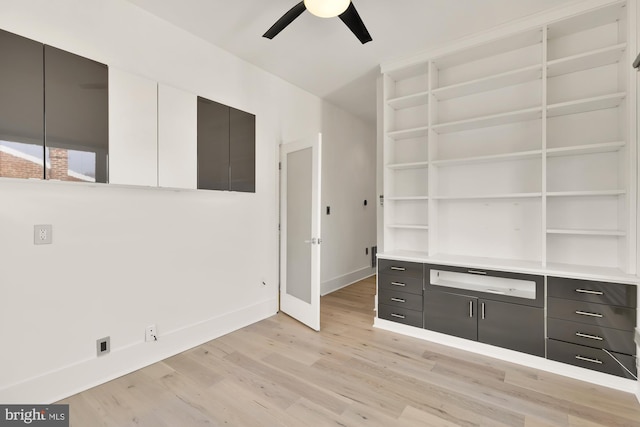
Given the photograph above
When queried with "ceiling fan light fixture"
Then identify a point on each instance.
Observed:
(326, 8)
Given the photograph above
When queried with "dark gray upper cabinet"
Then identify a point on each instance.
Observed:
(21, 107)
(242, 151)
(77, 116)
(213, 145)
(226, 147)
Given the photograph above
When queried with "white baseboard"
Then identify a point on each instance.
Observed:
(340, 282)
(605, 380)
(69, 380)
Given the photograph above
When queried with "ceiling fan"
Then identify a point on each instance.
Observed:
(344, 9)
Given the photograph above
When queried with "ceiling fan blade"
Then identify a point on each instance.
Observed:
(352, 19)
(286, 19)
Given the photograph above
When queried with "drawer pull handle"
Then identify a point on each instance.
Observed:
(587, 291)
(398, 268)
(398, 300)
(482, 311)
(586, 313)
(398, 284)
(588, 359)
(591, 337)
(476, 272)
(399, 316)
(470, 308)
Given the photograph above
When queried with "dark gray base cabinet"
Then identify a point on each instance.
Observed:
(506, 325)
(596, 359)
(590, 324)
(400, 292)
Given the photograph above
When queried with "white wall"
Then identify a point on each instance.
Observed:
(348, 179)
(123, 258)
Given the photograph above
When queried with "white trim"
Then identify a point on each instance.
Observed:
(511, 356)
(339, 282)
(72, 379)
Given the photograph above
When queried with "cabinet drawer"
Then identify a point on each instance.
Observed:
(594, 314)
(590, 291)
(400, 299)
(591, 358)
(591, 335)
(400, 315)
(400, 268)
(411, 285)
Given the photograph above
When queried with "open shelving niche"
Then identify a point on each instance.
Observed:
(406, 157)
(517, 152)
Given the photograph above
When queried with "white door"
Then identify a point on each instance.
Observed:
(300, 230)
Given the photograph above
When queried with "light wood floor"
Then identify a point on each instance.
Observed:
(278, 372)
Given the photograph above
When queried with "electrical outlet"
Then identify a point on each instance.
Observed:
(150, 333)
(42, 234)
(103, 346)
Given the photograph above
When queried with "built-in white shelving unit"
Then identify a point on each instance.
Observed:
(517, 149)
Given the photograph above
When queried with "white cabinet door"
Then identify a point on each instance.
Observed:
(177, 138)
(133, 129)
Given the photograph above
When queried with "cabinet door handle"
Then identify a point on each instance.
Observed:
(591, 337)
(476, 272)
(399, 316)
(586, 313)
(397, 268)
(587, 291)
(588, 359)
(470, 308)
(482, 311)
(398, 284)
(398, 300)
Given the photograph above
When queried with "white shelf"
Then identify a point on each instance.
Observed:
(491, 120)
(585, 105)
(554, 190)
(585, 193)
(406, 198)
(413, 165)
(490, 196)
(585, 21)
(409, 133)
(589, 272)
(408, 101)
(497, 81)
(409, 226)
(491, 158)
(585, 61)
(522, 266)
(404, 73)
(586, 232)
(495, 47)
(605, 147)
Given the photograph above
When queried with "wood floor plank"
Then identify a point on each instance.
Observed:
(278, 372)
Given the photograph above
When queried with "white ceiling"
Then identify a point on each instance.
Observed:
(322, 56)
